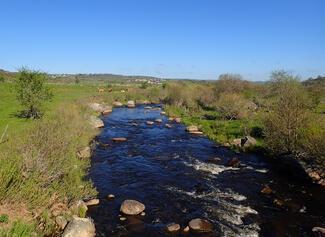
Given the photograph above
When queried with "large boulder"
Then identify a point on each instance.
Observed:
(96, 122)
(131, 104)
(200, 225)
(80, 227)
(84, 153)
(132, 207)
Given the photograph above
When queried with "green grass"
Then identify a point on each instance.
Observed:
(39, 166)
(216, 128)
(63, 93)
(19, 229)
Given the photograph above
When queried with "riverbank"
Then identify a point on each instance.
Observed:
(41, 175)
(227, 133)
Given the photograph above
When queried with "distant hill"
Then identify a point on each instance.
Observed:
(91, 78)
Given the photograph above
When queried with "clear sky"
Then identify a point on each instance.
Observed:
(164, 38)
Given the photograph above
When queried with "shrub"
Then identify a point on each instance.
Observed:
(2, 79)
(288, 117)
(233, 106)
(32, 92)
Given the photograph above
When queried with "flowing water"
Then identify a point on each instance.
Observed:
(171, 172)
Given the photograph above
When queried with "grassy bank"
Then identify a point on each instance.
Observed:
(39, 169)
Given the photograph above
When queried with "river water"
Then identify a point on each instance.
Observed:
(171, 172)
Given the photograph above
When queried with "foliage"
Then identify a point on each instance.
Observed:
(32, 92)
(2, 79)
(233, 106)
(288, 117)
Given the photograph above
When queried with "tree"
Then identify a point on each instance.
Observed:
(286, 123)
(2, 79)
(32, 92)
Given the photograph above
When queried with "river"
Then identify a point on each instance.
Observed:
(170, 171)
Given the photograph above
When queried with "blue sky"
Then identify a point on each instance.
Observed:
(165, 38)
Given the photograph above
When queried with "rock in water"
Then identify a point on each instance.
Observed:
(214, 160)
(132, 207)
(84, 153)
(234, 162)
(119, 139)
(80, 227)
(177, 120)
(186, 229)
(158, 120)
(200, 225)
(96, 122)
(192, 128)
(131, 104)
(319, 231)
(110, 196)
(248, 141)
(168, 125)
(117, 104)
(173, 227)
(92, 202)
(197, 133)
(150, 122)
(266, 190)
(236, 142)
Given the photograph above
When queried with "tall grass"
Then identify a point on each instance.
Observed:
(40, 168)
